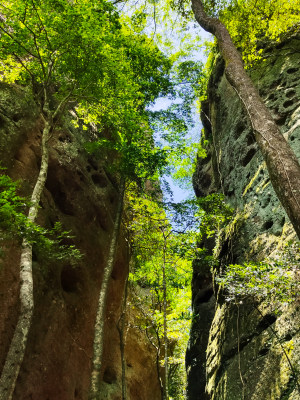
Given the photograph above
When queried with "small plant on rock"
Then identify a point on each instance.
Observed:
(275, 279)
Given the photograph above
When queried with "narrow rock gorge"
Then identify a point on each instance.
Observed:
(245, 350)
(238, 350)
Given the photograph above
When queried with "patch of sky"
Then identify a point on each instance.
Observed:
(172, 189)
(178, 190)
(182, 39)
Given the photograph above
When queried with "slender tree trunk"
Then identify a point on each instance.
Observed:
(121, 329)
(157, 359)
(166, 386)
(100, 317)
(17, 347)
(282, 164)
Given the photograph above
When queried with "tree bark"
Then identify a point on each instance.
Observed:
(100, 316)
(282, 164)
(121, 329)
(166, 385)
(157, 361)
(17, 347)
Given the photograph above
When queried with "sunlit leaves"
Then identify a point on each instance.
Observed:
(43, 33)
(109, 73)
(105, 66)
(15, 225)
(162, 256)
(12, 206)
(214, 214)
(11, 70)
(176, 36)
(252, 22)
(185, 161)
(274, 280)
(160, 21)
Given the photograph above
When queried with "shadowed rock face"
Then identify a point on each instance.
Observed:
(242, 358)
(203, 310)
(82, 196)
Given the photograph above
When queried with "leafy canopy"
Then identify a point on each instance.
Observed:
(253, 23)
(108, 69)
(162, 259)
(273, 280)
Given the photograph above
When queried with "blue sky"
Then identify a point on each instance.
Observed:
(171, 34)
(180, 194)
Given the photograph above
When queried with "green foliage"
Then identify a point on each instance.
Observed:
(157, 247)
(182, 216)
(110, 72)
(172, 124)
(214, 214)
(15, 224)
(204, 261)
(189, 82)
(150, 66)
(215, 7)
(134, 153)
(164, 20)
(252, 23)
(51, 243)
(274, 280)
(40, 40)
(190, 85)
(12, 206)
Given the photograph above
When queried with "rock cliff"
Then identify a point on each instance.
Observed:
(245, 351)
(81, 193)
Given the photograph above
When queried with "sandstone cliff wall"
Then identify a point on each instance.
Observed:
(82, 195)
(236, 350)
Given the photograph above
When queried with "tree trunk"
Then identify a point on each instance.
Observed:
(157, 361)
(282, 164)
(17, 347)
(100, 317)
(121, 329)
(166, 386)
